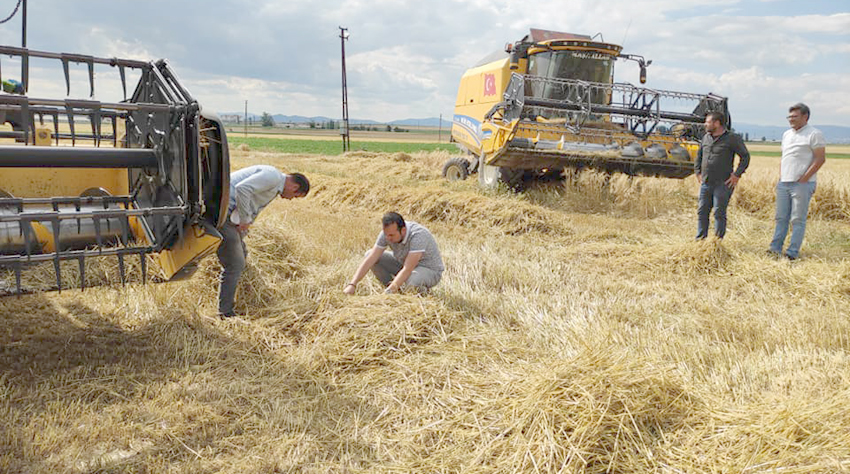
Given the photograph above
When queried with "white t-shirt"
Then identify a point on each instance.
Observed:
(797, 152)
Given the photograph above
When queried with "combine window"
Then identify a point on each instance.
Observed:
(576, 65)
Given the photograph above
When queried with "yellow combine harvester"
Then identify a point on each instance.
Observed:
(548, 103)
(144, 176)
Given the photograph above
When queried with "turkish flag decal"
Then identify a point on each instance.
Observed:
(489, 84)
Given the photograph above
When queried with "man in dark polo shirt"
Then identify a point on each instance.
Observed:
(412, 261)
(713, 168)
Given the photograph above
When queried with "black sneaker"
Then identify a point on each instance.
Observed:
(789, 257)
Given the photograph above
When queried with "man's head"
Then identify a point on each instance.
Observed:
(798, 115)
(394, 227)
(295, 186)
(714, 123)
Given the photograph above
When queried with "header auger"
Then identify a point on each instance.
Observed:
(549, 103)
(80, 178)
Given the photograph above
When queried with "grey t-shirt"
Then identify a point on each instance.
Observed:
(417, 239)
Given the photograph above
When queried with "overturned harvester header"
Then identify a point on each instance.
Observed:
(548, 103)
(80, 178)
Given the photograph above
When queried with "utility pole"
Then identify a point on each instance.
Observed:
(343, 129)
(246, 118)
(25, 57)
(440, 130)
(25, 60)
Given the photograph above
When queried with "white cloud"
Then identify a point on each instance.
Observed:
(753, 94)
(396, 67)
(828, 24)
(113, 46)
(405, 57)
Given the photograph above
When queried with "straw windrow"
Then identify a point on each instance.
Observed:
(578, 328)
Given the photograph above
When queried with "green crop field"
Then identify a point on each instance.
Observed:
(772, 149)
(321, 145)
(829, 154)
(326, 147)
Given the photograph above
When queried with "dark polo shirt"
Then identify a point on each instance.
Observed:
(716, 156)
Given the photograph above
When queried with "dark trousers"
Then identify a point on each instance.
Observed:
(231, 254)
(714, 195)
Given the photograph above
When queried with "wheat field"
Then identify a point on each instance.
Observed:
(578, 329)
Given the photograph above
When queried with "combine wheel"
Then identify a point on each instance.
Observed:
(456, 169)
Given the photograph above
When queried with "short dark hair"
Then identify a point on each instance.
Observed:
(803, 108)
(718, 116)
(302, 182)
(393, 218)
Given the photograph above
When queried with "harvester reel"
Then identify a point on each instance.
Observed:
(149, 177)
(631, 131)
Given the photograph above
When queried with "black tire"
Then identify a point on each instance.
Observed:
(456, 169)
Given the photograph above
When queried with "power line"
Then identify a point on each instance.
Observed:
(14, 12)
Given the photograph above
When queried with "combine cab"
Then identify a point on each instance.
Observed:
(549, 103)
(146, 175)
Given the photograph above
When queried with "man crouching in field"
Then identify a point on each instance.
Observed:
(413, 261)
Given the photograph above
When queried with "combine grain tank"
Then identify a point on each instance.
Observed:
(549, 103)
(146, 175)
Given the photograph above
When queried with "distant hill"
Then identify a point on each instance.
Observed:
(832, 133)
(300, 119)
(425, 122)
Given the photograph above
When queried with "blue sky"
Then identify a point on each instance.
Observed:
(405, 57)
(770, 8)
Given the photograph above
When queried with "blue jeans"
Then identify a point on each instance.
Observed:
(792, 207)
(714, 195)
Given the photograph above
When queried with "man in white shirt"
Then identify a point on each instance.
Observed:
(251, 190)
(803, 154)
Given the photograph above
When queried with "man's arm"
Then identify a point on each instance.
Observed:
(743, 162)
(363, 269)
(819, 158)
(409, 264)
